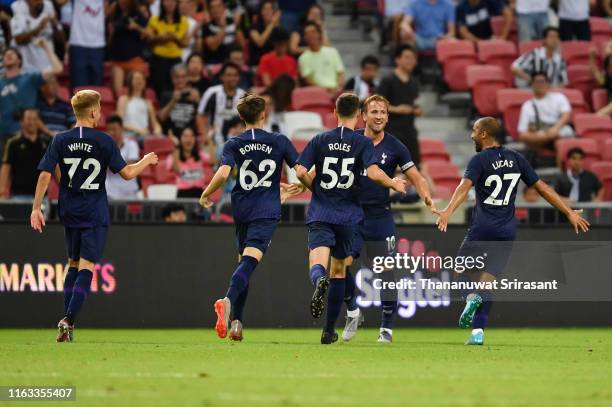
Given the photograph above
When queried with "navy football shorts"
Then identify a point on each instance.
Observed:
(339, 238)
(257, 233)
(496, 254)
(378, 234)
(85, 243)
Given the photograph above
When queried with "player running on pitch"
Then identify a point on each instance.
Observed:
(83, 155)
(256, 202)
(339, 156)
(494, 171)
(378, 225)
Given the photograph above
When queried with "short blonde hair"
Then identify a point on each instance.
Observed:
(83, 101)
(374, 98)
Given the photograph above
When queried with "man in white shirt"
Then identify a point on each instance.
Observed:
(574, 19)
(87, 43)
(116, 187)
(545, 118)
(532, 18)
(34, 19)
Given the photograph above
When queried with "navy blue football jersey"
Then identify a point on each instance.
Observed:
(495, 173)
(390, 153)
(259, 156)
(339, 156)
(84, 155)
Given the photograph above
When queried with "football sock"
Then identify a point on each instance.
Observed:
(82, 287)
(71, 276)
(240, 279)
(482, 313)
(316, 272)
(238, 308)
(350, 299)
(388, 313)
(334, 302)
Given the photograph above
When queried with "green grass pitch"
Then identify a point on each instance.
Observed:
(426, 367)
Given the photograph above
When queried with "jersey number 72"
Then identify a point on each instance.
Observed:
(90, 162)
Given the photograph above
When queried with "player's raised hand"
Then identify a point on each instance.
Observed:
(152, 158)
(579, 223)
(37, 220)
(442, 220)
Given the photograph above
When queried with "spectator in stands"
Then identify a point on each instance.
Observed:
(174, 213)
(34, 21)
(136, 110)
(278, 101)
(179, 107)
(236, 56)
(55, 114)
(433, 20)
(292, 12)
(261, 31)
(191, 165)
(19, 172)
(187, 9)
(219, 34)
(117, 187)
(543, 120)
(602, 78)
(607, 6)
(87, 43)
(218, 104)
(195, 74)
(577, 184)
(474, 19)
(545, 59)
(532, 19)
(320, 65)
(574, 21)
(297, 41)
(126, 41)
(5, 20)
(401, 90)
(167, 34)
(394, 14)
(20, 90)
(277, 62)
(363, 85)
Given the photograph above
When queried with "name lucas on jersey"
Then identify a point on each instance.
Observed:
(503, 163)
(255, 147)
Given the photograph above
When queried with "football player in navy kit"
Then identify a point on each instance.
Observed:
(494, 172)
(83, 155)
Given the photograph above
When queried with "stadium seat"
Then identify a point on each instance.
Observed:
(63, 93)
(581, 78)
(525, 47)
(589, 146)
(443, 192)
(455, 56)
(576, 52)
(603, 169)
(497, 25)
(162, 192)
(160, 145)
(444, 174)
(499, 53)
(485, 81)
(299, 144)
(601, 32)
(306, 134)
(330, 121)
(593, 126)
(312, 99)
(296, 121)
(509, 102)
(599, 99)
(576, 100)
(607, 151)
(433, 150)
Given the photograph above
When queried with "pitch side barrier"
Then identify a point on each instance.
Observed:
(168, 275)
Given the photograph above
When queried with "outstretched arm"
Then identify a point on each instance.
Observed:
(377, 175)
(218, 180)
(133, 170)
(421, 186)
(459, 196)
(37, 219)
(546, 192)
(304, 176)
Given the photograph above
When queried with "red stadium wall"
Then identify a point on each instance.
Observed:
(169, 276)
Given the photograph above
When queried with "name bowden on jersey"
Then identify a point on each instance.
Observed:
(502, 163)
(80, 146)
(339, 147)
(256, 147)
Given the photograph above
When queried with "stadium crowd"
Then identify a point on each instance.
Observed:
(171, 72)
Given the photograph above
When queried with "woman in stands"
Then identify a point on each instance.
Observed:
(136, 110)
(603, 77)
(192, 165)
(296, 42)
(261, 31)
(195, 73)
(127, 26)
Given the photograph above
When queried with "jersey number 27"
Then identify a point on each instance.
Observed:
(497, 180)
